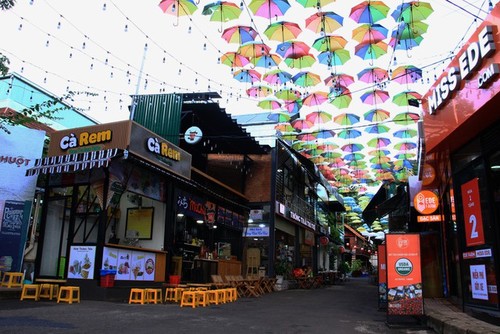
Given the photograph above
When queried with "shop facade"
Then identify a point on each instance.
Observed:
(462, 169)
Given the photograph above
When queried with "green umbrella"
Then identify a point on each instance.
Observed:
(405, 133)
(222, 11)
(330, 43)
(406, 118)
(342, 101)
(301, 62)
(282, 31)
(406, 98)
(346, 119)
(314, 3)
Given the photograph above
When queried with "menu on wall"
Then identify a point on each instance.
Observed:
(130, 265)
(479, 284)
(81, 262)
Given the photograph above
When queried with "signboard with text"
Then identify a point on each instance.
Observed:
(479, 284)
(382, 276)
(404, 275)
(474, 235)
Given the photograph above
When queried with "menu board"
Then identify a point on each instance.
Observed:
(81, 262)
(130, 265)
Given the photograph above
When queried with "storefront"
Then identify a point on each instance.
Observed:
(462, 127)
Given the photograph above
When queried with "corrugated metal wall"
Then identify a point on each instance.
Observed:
(160, 113)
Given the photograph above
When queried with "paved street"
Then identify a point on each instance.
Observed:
(347, 308)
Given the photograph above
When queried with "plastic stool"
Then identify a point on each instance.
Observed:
(201, 298)
(178, 294)
(154, 296)
(69, 294)
(49, 291)
(137, 296)
(213, 297)
(188, 298)
(30, 291)
(221, 295)
(170, 295)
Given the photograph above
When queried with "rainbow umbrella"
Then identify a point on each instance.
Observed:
(328, 146)
(266, 60)
(369, 33)
(412, 11)
(378, 142)
(259, 91)
(234, 59)
(407, 98)
(342, 100)
(377, 128)
(302, 62)
(269, 8)
(369, 50)
(334, 58)
(329, 43)
(293, 107)
(337, 163)
(292, 49)
(284, 127)
(239, 34)
(269, 103)
(246, 75)
(306, 79)
(404, 163)
(288, 94)
(318, 159)
(339, 79)
(405, 133)
(314, 3)
(372, 75)
(380, 159)
(282, 31)
(253, 49)
(315, 99)
(409, 30)
(354, 156)
(406, 74)
(279, 116)
(349, 134)
(375, 96)
(376, 115)
(381, 165)
(405, 146)
(352, 147)
(276, 77)
(406, 118)
(405, 155)
(178, 7)
(318, 117)
(379, 153)
(306, 137)
(324, 22)
(300, 124)
(331, 155)
(222, 11)
(405, 44)
(325, 134)
(369, 12)
(346, 119)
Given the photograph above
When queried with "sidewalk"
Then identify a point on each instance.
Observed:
(444, 317)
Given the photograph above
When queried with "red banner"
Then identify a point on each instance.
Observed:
(382, 275)
(404, 275)
(472, 213)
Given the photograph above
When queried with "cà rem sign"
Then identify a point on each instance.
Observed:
(468, 61)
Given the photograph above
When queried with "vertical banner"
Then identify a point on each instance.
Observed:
(473, 219)
(479, 284)
(382, 276)
(404, 275)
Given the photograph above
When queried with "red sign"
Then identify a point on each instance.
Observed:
(430, 218)
(404, 275)
(382, 275)
(472, 213)
(426, 202)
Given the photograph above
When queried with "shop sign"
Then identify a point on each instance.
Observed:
(430, 218)
(426, 202)
(85, 138)
(468, 61)
(472, 213)
(193, 135)
(479, 284)
(404, 275)
(302, 220)
(256, 232)
(157, 146)
(428, 175)
(477, 254)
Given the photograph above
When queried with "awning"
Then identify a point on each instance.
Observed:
(73, 162)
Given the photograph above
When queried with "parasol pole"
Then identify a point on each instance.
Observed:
(139, 77)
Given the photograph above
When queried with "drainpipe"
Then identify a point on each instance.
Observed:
(36, 215)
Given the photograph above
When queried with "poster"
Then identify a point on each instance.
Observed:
(139, 223)
(81, 262)
(130, 265)
(123, 264)
(478, 282)
(474, 235)
(404, 275)
(382, 276)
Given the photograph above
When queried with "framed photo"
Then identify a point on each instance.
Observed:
(139, 223)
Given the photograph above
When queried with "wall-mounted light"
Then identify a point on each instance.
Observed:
(199, 221)
(262, 225)
(180, 215)
(250, 220)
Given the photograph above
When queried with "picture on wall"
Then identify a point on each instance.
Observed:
(139, 223)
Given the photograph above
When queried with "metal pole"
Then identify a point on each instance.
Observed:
(139, 77)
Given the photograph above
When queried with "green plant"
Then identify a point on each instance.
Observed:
(344, 268)
(283, 268)
(356, 265)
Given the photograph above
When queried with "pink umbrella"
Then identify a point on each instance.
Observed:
(259, 91)
(269, 8)
(276, 77)
(292, 49)
(379, 142)
(319, 117)
(315, 99)
(239, 34)
(307, 137)
(339, 79)
(234, 59)
(301, 124)
(372, 75)
(375, 96)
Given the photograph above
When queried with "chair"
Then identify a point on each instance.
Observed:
(218, 282)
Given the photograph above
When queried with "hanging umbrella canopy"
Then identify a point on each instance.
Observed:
(315, 99)
(279, 116)
(354, 156)
(406, 118)
(276, 77)
(222, 11)
(339, 79)
(306, 79)
(369, 50)
(406, 74)
(412, 11)
(372, 75)
(404, 163)
(369, 12)
(293, 107)
(292, 49)
(329, 43)
(178, 7)
(349, 134)
(284, 127)
(346, 119)
(269, 103)
(246, 75)
(318, 117)
(405, 133)
(239, 34)
(343, 100)
(324, 22)
(314, 3)
(407, 98)
(259, 91)
(266, 60)
(375, 96)
(405, 44)
(269, 8)
(282, 31)
(370, 33)
(253, 49)
(406, 155)
(302, 62)
(380, 159)
(325, 134)
(307, 136)
(376, 115)
(234, 59)
(352, 147)
(334, 58)
(301, 124)
(379, 142)
(410, 30)
(377, 128)
(379, 153)
(288, 94)
(405, 146)
(331, 155)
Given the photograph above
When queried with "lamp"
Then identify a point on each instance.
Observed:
(250, 220)
(199, 221)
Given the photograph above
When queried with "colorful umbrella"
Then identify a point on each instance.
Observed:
(269, 103)
(406, 118)
(269, 8)
(239, 34)
(319, 117)
(279, 116)
(369, 11)
(276, 77)
(288, 94)
(380, 159)
(293, 107)
(331, 155)
(339, 79)
(409, 30)
(337, 163)
(324, 22)
(282, 31)
(372, 75)
(405, 133)
(178, 7)
(369, 50)
(302, 62)
(234, 59)
(292, 49)
(329, 43)
(284, 127)
(222, 11)
(378, 142)
(246, 75)
(377, 128)
(405, 44)
(334, 58)
(379, 153)
(306, 79)
(412, 11)
(370, 33)
(406, 74)
(352, 147)
(315, 99)
(406, 155)
(407, 98)
(253, 49)
(266, 60)
(404, 164)
(354, 156)
(349, 134)
(259, 91)
(343, 100)
(306, 137)
(376, 115)
(325, 134)
(375, 96)
(346, 119)
(314, 3)
(405, 146)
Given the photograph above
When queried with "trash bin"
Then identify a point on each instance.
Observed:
(108, 278)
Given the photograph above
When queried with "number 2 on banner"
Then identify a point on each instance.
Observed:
(471, 202)
(473, 232)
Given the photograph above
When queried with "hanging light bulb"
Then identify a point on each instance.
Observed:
(20, 27)
(163, 60)
(31, 2)
(45, 80)
(111, 75)
(196, 81)
(180, 71)
(129, 81)
(83, 45)
(490, 5)
(189, 29)
(47, 43)
(59, 25)
(104, 6)
(126, 28)
(205, 47)
(91, 66)
(106, 61)
(22, 69)
(173, 8)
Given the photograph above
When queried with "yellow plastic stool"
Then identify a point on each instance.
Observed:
(189, 298)
(213, 297)
(170, 295)
(69, 294)
(30, 291)
(234, 294)
(201, 298)
(12, 279)
(137, 296)
(154, 296)
(178, 294)
(221, 295)
(49, 291)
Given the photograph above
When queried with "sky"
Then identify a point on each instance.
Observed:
(109, 50)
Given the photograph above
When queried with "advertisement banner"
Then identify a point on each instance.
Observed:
(478, 282)
(81, 262)
(382, 276)
(16, 191)
(473, 219)
(404, 275)
(130, 265)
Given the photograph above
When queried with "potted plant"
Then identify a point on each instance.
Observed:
(282, 268)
